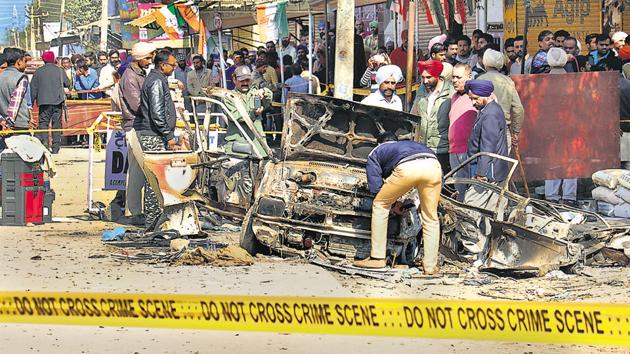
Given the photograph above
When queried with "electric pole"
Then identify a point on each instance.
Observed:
(62, 27)
(35, 15)
(344, 50)
(104, 24)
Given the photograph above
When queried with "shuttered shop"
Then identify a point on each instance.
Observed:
(427, 31)
(578, 17)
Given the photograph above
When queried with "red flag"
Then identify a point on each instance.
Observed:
(427, 10)
(461, 10)
(446, 14)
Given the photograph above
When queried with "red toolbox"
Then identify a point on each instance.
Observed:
(23, 191)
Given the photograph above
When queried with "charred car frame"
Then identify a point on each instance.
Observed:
(311, 193)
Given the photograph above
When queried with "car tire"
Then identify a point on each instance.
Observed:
(248, 240)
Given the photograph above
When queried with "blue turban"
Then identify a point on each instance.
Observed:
(481, 88)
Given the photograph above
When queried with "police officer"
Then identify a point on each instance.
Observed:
(393, 168)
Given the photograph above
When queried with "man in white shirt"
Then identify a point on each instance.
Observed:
(386, 77)
(106, 77)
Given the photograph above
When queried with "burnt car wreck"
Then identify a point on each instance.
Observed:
(310, 198)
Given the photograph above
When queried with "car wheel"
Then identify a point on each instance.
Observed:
(248, 239)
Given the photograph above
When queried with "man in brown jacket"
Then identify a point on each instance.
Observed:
(129, 89)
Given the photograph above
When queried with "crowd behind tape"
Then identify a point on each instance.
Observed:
(550, 322)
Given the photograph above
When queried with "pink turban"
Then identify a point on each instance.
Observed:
(48, 57)
(437, 39)
(433, 67)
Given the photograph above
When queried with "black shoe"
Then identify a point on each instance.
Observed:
(137, 220)
(569, 202)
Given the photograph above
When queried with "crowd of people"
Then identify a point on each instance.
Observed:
(466, 101)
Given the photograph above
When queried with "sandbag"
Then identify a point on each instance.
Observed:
(606, 209)
(622, 211)
(609, 178)
(623, 193)
(606, 195)
(624, 180)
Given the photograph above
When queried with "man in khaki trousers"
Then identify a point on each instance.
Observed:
(395, 167)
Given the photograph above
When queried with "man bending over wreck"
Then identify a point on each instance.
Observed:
(393, 168)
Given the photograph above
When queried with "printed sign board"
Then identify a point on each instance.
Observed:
(116, 164)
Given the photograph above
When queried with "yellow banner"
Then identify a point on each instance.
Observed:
(547, 322)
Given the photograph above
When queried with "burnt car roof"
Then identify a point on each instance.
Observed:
(333, 129)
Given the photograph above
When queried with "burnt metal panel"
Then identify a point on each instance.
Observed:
(331, 129)
(512, 247)
(571, 126)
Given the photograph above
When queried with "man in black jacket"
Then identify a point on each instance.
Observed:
(47, 91)
(155, 126)
(393, 168)
(488, 135)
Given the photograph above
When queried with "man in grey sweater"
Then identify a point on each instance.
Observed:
(13, 86)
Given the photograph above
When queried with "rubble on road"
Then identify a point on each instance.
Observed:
(229, 256)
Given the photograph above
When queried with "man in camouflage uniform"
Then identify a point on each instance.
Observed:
(238, 169)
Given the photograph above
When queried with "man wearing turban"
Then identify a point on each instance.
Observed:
(386, 78)
(489, 136)
(433, 105)
(129, 89)
(557, 59)
(47, 91)
(505, 92)
(371, 42)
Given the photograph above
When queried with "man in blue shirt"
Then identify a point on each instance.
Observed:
(393, 168)
(295, 83)
(86, 79)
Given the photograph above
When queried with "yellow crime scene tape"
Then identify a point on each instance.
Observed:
(547, 322)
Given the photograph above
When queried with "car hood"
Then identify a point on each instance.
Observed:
(331, 129)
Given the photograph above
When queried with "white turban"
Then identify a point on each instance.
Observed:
(387, 71)
(556, 57)
(619, 36)
(493, 59)
(142, 50)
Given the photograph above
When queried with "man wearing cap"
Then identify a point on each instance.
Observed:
(505, 91)
(393, 168)
(256, 101)
(386, 78)
(129, 90)
(371, 42)
(47, 91)
(433, 105)
(488, 135)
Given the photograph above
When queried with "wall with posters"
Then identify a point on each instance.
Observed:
(578, 17)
